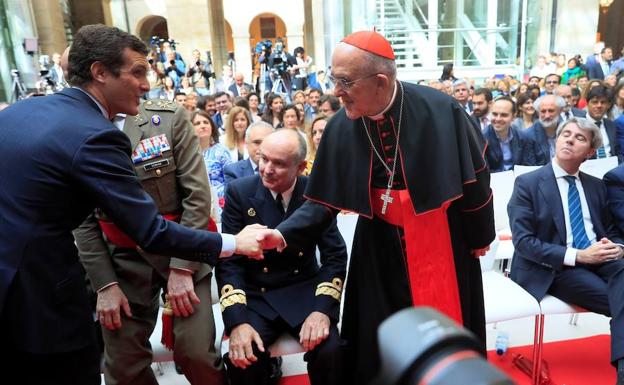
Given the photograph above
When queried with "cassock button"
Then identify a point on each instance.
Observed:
(386, 148)
(263, 289)
(265, 269)
(389, 160)
(158, 172)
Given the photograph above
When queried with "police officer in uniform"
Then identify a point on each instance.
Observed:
(286, 292)
(168, 162)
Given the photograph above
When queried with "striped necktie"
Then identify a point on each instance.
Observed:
(600, 152)
(579, 236)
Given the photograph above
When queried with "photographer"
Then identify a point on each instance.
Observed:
(199, 74)
(174, 68)
(280, 62)
(155, 76)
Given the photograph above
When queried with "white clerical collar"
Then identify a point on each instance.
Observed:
(380, 115)
(286, 195)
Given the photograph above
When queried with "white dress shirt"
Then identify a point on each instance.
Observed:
(570, 255)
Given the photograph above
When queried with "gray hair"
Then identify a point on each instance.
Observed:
(585, 125)
(381, 64)
(459, 82)
(302, 150)
(260, 123)
(561, 103)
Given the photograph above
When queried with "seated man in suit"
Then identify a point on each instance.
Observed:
(598, 103)
(541, 135)
(286, 292)
(566, 243)
(506, 145)
(254, 136)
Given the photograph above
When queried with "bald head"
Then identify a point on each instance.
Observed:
(282, 159)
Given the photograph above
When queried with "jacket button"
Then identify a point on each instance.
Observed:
(263, 289)
(301, 253)
(265, 269)
(296, 272)
(158, 172)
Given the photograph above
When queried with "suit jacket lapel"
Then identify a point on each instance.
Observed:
(265, 206)
(297, 196)
(593, 204)
(550, 191)
(134, 127)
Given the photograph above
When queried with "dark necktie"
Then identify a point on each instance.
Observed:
(600, 152)
(279, 200)
(579, 236)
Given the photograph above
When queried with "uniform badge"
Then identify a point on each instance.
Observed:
(251, 212)
(150, 148)
(156, 120)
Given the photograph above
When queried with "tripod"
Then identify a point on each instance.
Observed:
(19, 91)
(279, 87)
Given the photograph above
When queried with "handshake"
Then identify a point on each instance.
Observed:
(253, 239)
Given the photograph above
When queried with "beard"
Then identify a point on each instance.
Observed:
(549, 123)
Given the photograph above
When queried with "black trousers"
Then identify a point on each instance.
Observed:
(80, 367)
(597, 288)
(324, 362)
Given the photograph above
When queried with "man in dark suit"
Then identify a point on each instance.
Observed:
(286, 292)
(565, 91)
(598, 103)
(600, 68)
(63, 158)
(566, 243)
(541, 135)
(481, 103)
(239, 82)
(254, 136)
(462, 95)
(506, 145)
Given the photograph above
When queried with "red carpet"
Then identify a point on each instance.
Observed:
(583, 361)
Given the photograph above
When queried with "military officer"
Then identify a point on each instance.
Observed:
(286, 292)
(169, 165)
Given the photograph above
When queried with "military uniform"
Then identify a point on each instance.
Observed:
(277, 294)
(167, 159)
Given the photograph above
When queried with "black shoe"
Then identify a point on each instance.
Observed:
(620, 372)
(276, 370)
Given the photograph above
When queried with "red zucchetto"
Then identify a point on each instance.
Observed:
(372, 42)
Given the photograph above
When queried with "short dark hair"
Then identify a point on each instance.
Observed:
(290, 107)
(241, 102)
(314, 89)
(100, 43)
(334, 102)
(298, 50)
(510, 100)
(599, 92)
(177, 93)
(549, 75)
(221, 93)
(483, 91)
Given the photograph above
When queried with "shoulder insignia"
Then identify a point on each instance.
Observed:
(160, 105)
(332, 289)
(231, 296)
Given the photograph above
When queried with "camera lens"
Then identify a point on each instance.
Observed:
(151, 61)
(172, 62)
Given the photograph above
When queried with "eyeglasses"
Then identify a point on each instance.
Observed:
(345, 84)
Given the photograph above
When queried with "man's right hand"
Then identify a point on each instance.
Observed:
(599, 252)
(247, 242)
(109, 301)
(271, 239)
(241, 350)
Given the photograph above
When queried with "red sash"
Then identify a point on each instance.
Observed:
(430, 260)
(118, 238)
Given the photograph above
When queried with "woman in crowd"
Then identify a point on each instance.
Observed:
(447, 73)
(561, 64)
(290, 118)
(526, 112)
(591, 84)
(301, 69)
(522, 88)
(574, 71)
(503, 87)
(273, 108)
(617, 105)
(169, 90)
(314, 138)
(216, 156)
(301, 108)
(299, 97)
(234, 137)
(254, 103)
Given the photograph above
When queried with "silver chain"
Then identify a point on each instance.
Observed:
(396, 150)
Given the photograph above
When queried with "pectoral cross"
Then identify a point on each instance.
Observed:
(386, 198)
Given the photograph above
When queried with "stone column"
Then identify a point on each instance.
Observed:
(50, 26)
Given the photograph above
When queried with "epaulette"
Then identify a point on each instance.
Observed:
(160, 105)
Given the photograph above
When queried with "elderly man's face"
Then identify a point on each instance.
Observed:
(363, 95)
(460, 93)
(549, 111)
(254, 139)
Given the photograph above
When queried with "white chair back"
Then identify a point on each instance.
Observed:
(599, 167)
(501, 184)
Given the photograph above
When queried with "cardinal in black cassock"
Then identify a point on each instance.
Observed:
(425, 206)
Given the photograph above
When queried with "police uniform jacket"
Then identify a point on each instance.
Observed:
(176, 180)
(289, 284)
